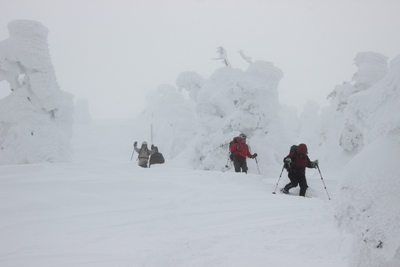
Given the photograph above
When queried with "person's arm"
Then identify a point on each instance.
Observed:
(135, 147)
(311, 164)
(249, 154)
(288, 160)
(290, 156)
(153, 150)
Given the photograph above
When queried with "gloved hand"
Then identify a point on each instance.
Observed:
(135, 144)
(315, 163)
(254, 155)
(152, 147)
(288, 160)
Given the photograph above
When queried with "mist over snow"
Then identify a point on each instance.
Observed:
(98, 207)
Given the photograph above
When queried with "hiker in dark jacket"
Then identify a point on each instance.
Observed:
(297, 162)
(156, 158)
(240, 152)
(144, 154)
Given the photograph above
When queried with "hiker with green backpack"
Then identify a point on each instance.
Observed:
(296, 163)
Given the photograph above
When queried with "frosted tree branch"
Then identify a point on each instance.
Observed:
(248, 59)
(223, 55)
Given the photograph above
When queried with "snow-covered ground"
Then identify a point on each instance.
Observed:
(104, 210)
(96, 207)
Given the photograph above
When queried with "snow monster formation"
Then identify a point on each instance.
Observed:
(199, 127)
(367, 197)
(36, 118)
(372, 67)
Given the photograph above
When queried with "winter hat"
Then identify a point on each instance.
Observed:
(302, 149)
(144, 143)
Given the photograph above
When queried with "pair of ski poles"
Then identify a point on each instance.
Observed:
(319, 174)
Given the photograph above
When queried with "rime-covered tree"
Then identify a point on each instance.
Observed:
(367, 201)
(36, 118)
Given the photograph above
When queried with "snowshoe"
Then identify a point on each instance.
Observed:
(283, 190)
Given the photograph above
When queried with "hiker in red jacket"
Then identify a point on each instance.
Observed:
(297, 163)
(240, 151)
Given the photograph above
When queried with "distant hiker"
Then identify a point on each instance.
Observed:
(156, 158)
(296, 163)
(144, 154)
(239, 151)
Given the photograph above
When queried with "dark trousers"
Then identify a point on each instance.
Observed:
(240, 165)
(297, 179)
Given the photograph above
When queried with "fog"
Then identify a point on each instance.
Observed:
(114, 52)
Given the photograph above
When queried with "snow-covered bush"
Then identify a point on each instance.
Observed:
(36, 118)
(368, 201)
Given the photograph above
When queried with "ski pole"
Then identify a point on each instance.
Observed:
(323, 181)
(132, 153)
(279, 179)
(257, 166)
(227, 160)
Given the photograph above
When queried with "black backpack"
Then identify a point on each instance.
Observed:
(232, 154)
(293, 149)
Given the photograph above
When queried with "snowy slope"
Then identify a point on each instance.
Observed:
(104, 210)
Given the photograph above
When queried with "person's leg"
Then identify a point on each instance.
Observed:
(303, 185)
(244, 166)
(236, 164)
(293, 181)
(143, 162)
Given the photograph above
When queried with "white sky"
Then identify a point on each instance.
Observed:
(112, 52)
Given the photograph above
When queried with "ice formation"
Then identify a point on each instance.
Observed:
(36, 118)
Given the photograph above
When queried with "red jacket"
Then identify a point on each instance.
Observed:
(241, 150)
(301, 163)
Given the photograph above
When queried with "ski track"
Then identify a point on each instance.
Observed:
(110, 212)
